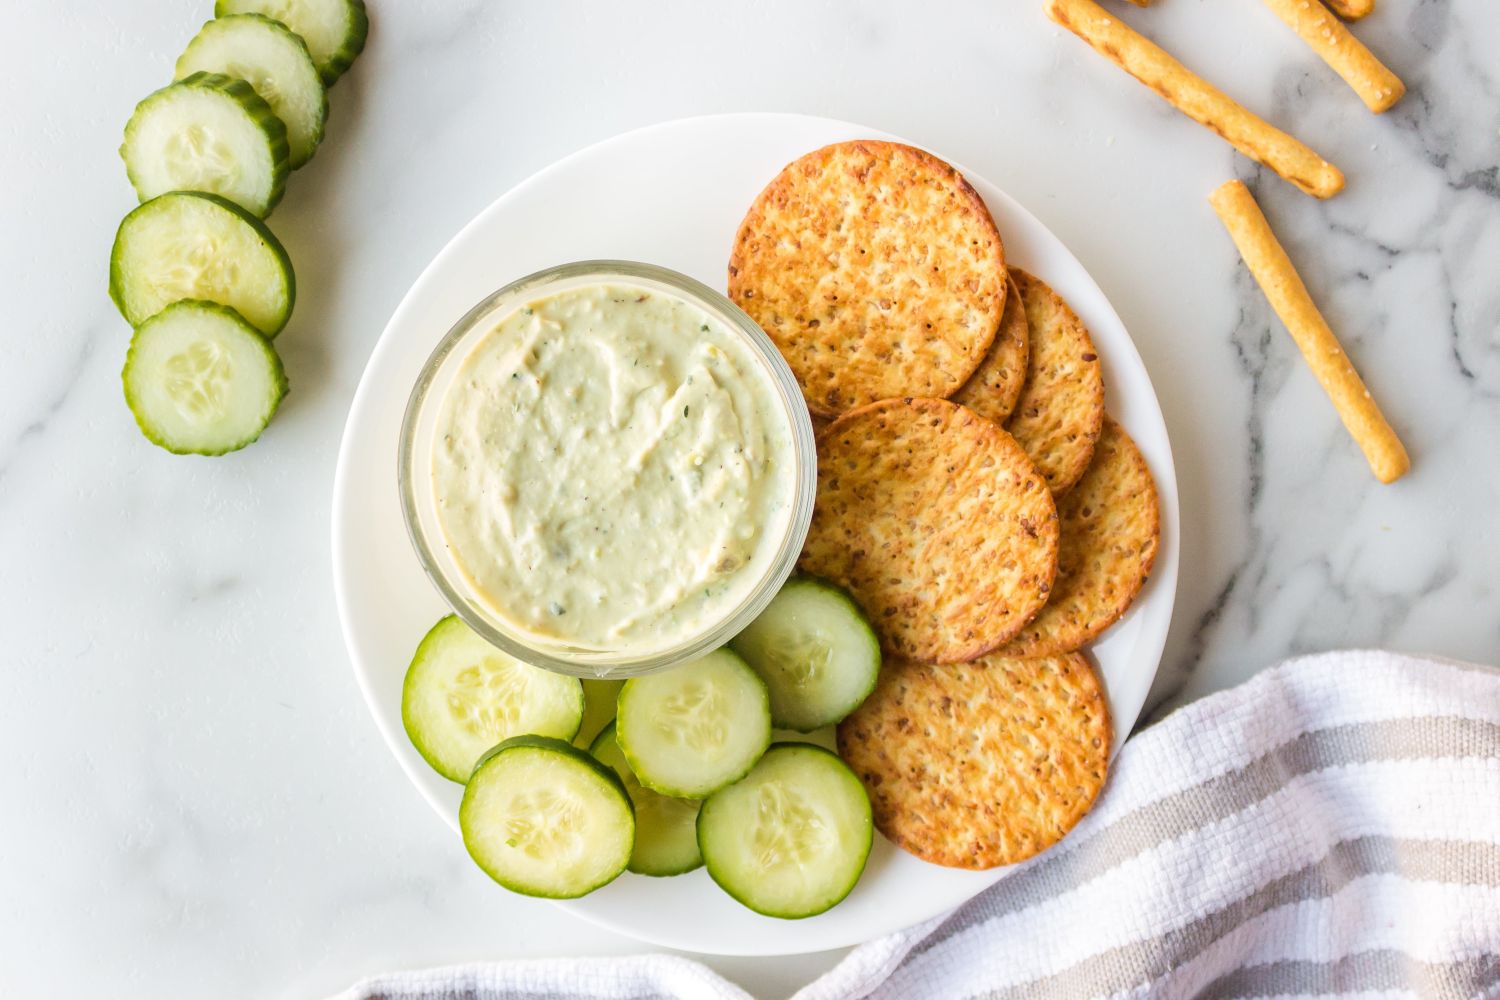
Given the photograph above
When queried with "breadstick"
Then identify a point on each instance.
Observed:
(1279, 281)
(1377, 86)
(1197, 98)
(1351, 10)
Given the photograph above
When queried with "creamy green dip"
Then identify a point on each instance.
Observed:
(614, 469)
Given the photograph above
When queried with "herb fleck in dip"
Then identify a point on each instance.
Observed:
(613, 470)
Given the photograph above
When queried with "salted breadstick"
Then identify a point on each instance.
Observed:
(1288, 296)
(1351, 10)
(1377, 86)
(1197, 98)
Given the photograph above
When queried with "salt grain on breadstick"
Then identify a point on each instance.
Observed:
(1351, 10)
(1197, 98)
(1376, 85)
(1281, 284)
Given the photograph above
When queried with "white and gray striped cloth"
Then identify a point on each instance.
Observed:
(1329, 828)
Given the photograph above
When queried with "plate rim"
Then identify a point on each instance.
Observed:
(1164, 574)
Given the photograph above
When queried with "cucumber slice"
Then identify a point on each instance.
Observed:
(272, 59)
(211, 133)
(542, 817)
(816, 652)
(666, 829)
(334, 30)
(599, 697)
(200, 380)
(186, 245)
(462, 696)
(696, 728)
(790, 839)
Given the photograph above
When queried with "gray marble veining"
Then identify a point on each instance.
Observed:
(1407, 266)
(196, 800)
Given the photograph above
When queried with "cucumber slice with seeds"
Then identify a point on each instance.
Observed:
(462, 696)
(334, 30)
(207, 132)
(816, 652)
(599, 697)
(187, 245)
(791, 839)
(200, 380)
(666, 829)
(542, 817)
(695, 728)
(272, 59)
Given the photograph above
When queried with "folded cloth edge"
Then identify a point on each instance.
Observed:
(1299, 688)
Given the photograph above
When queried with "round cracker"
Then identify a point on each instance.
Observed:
(1061, 409)
(876, 269)
(980, 764)
(1110, 524)
(937, 523)
(996, 384)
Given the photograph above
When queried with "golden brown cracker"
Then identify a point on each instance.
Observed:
(980, 764)
(1061, 409)
(937, 523)
(996, 384)
(1109, 522)
(876, 269)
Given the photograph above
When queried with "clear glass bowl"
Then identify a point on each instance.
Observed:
(419, 503)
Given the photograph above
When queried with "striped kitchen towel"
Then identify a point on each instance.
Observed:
(1329, 828)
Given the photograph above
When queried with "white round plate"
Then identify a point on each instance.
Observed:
(673, 194)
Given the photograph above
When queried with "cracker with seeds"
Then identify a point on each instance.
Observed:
(1061, 409)
(980, 764)
(996, 384)
(1110, 523)
(876, 269)
(937, 523)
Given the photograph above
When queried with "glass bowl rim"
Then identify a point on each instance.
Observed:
(803, 455)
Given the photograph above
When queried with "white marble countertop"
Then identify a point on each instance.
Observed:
(196, 801)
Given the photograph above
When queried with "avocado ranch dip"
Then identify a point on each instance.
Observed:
(613, 469)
